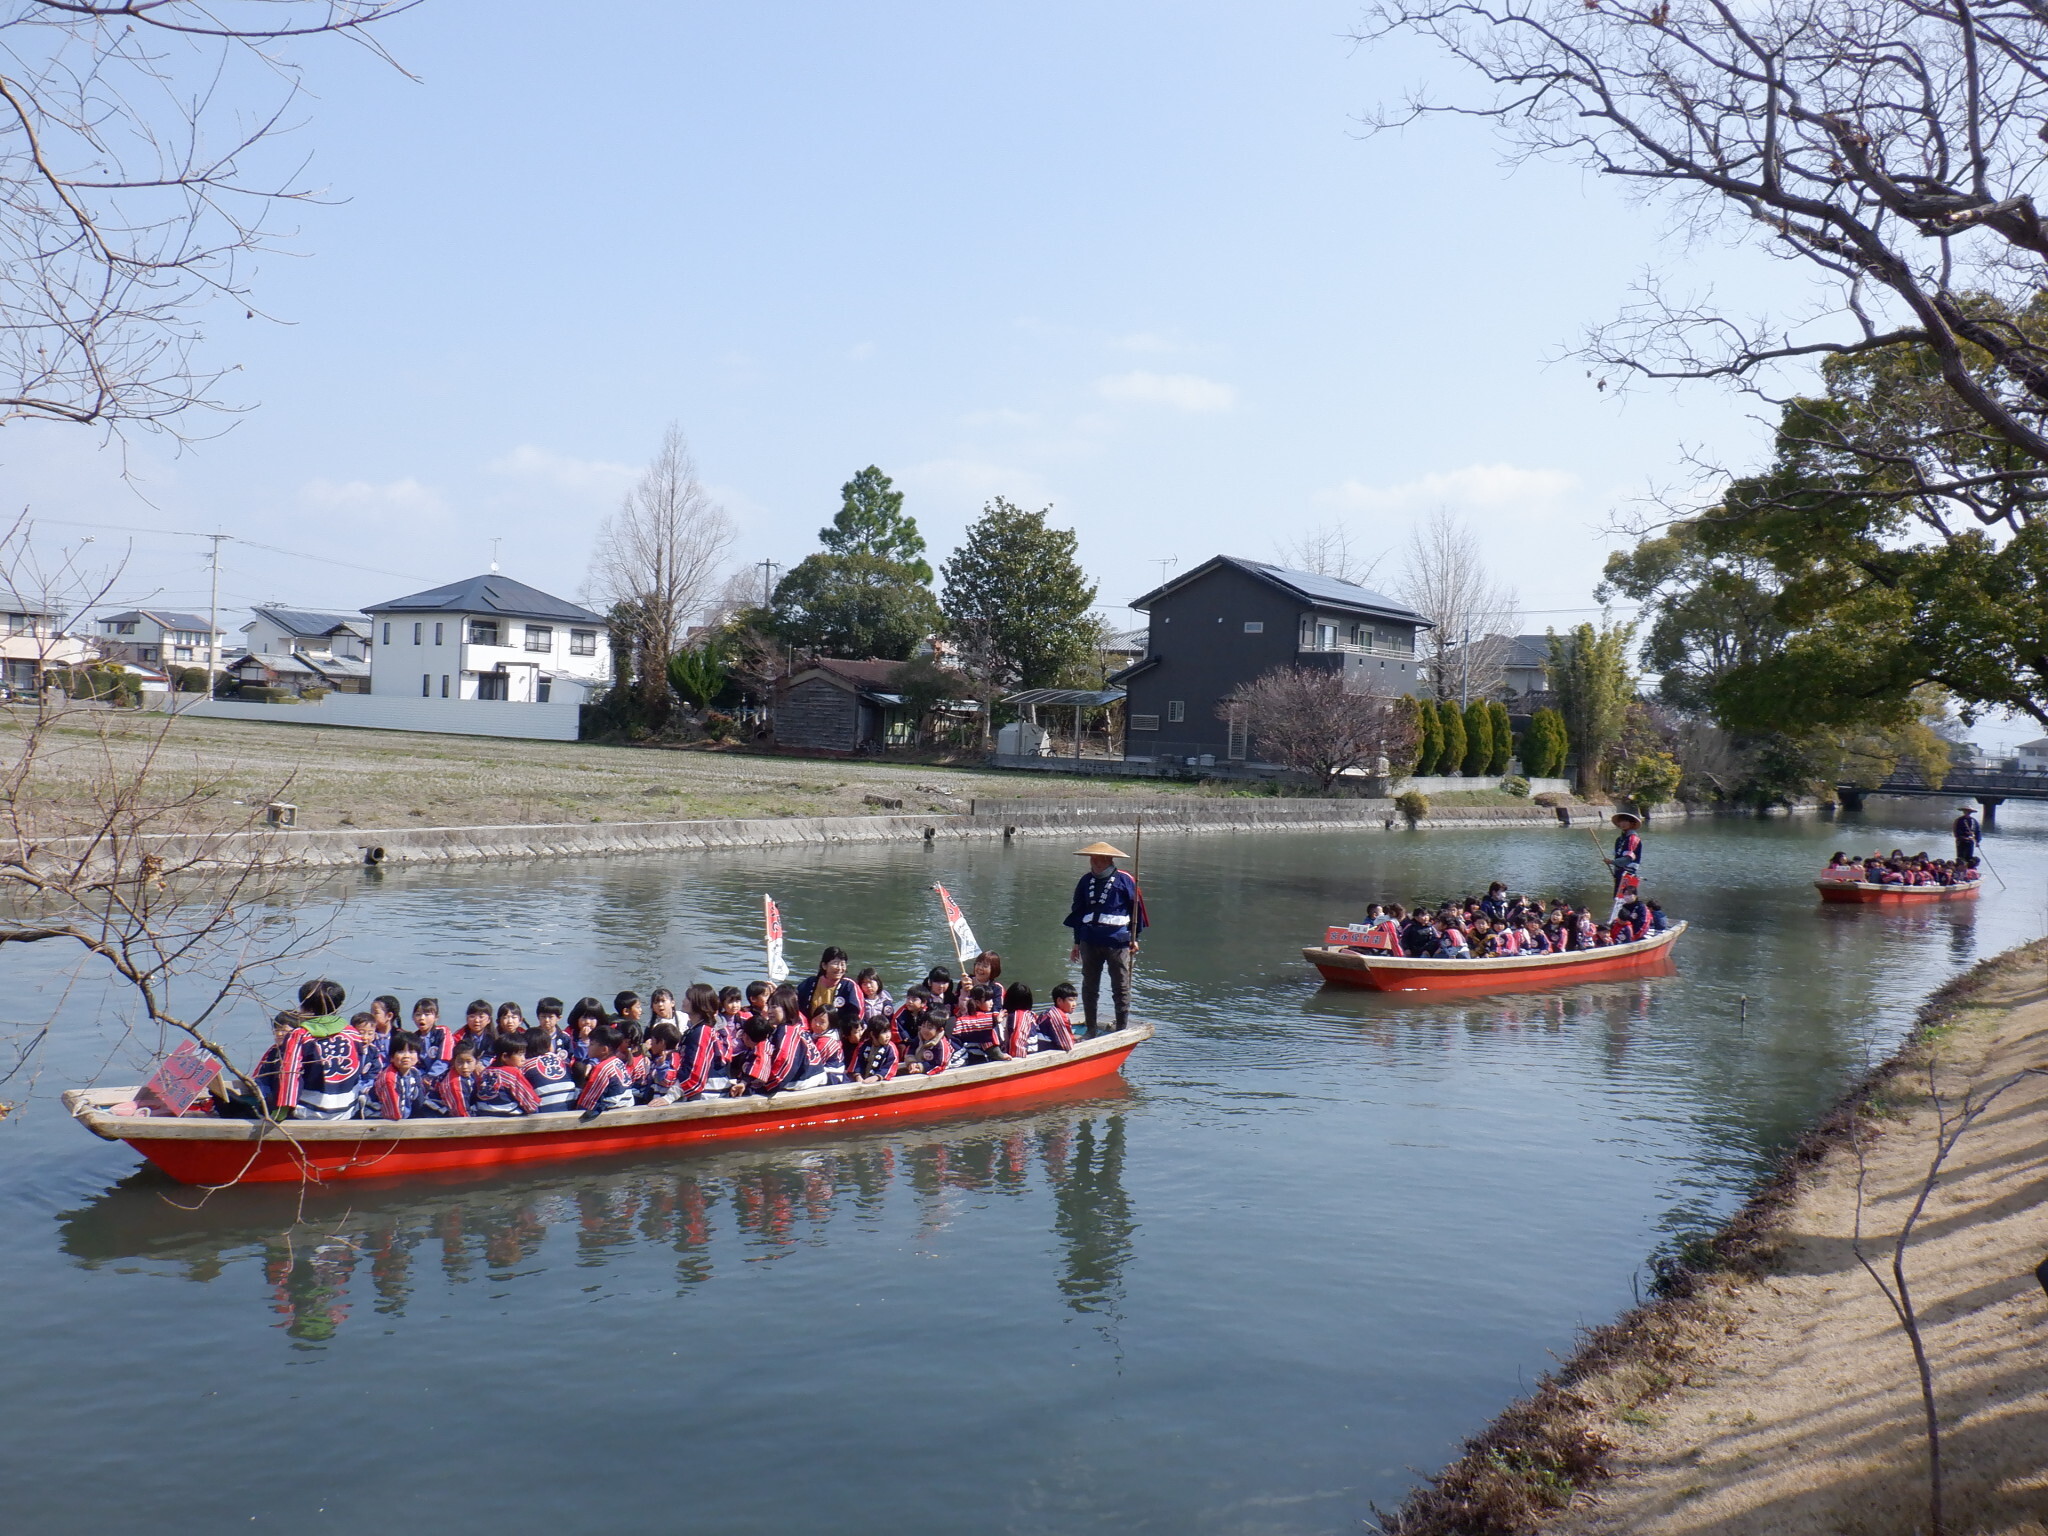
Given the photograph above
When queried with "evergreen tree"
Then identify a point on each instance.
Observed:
(1451, 758)
(1503, 738)
(870, 521)
(1017, 601)
(1411, 761)
(1430, 733)
(1590, 671)
(854, 605)
(1548, 748)
(1478, 738)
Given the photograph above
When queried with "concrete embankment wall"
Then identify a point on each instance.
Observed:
(988, 820)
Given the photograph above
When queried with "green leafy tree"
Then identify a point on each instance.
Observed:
(854, 605)
(925, 685)
(1410, 762)
(1590, 671)
(1478, 738)
(699, 674)
(1544, 746)
(1017, 601)
(870, 521)
(1503, 738)
(1451, 722)
(1429, 738)
(1648, 779)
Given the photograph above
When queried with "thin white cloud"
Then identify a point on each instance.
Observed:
(1182, 391)
(1476, 487)
(563, 472)
(972, 482)
(364, 498)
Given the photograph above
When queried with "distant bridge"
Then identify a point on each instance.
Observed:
(1989, 787)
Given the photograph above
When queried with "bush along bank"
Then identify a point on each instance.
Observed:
(1550, 1461)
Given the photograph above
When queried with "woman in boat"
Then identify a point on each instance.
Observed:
(831, 987)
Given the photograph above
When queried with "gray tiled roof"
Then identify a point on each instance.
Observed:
(1321, 591)
(303, 621)
(163, 616)
(489, 594)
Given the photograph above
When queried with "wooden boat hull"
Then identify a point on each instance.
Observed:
(1397, 973)
(1894, 895)
(200, 1149)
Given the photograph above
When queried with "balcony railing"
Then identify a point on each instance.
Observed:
(1348, 648)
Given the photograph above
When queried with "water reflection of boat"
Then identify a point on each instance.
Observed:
(203, 1149)
(321, 1260)
(1864, 892)
(1353, 967)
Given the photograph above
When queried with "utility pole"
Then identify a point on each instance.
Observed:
(212, 619)
(1465, 658)
(768, 570)
(494, 555)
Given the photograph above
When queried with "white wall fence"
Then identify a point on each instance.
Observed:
(395, 712)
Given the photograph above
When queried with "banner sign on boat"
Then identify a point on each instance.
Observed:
(778, 968)
(964, 947)
(182, 1081)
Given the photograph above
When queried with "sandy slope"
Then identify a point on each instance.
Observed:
(1806, 1416)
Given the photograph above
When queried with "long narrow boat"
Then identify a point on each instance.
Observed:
(1894, 895)
(203, 1149)
(1352, 967)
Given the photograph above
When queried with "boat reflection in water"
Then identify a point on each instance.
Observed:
(326, 1258)
(1616, 1009)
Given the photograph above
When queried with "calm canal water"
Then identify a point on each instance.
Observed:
(1312, 1241)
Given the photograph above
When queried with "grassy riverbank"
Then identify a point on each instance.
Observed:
(1772, 1389)
(341, 778)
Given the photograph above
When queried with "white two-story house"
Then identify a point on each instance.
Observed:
(276, 630)
(488, 637)
(35, 642)
(157, 637)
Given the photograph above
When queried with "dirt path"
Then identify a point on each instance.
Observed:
(1780, 1398)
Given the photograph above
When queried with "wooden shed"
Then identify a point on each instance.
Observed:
(839, 706)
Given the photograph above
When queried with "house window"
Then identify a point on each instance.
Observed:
(546, 690)
(18, 624)
(491, 685)
(387, 631)
(149, 653)
(124, 627)
(1361, 635)
(416, 629)
(483, 631)
(540, 637)
(184, 653)
(444, 685)
(1255, 626)
(1176, 711)
(1144, 722)
(437, 633)
(426, 685)
(1240, 735)
(582, 642)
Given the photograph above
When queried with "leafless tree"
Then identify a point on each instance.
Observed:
(1312, 720)
(136, 186)
(108, 850)
(1890, 149)
(1328, 550)
(1444, 578)
(660, 563)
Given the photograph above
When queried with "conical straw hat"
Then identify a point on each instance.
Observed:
(1101, 851)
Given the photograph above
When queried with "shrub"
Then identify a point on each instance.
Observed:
(1503, 738)
(721, 727)
(1478, 738)
(1413, 804)
(1552, 798)
(189, 679)
(1515, 784)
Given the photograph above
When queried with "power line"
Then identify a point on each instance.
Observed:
(186, 533)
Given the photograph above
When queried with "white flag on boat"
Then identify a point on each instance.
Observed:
(778, 968)
(964, 947)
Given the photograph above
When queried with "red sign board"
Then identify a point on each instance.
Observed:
(182, 1081)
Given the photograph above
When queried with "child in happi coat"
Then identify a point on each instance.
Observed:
(584, 1019)
(934, 1052)
(511, 1019)
(609, 1083)
(1057, 1022)
(375, 1050)
(917, 1005)
(384, 1018)
(626, 1009)
(401, 1086)
(436, 1040)
(828, 1051)
(878, 1059)
(664, 1061)
(974, 1032)
(732, 1004)
(501, 1087)
(547, 1071)
(452, 1093)
(476, 1032)
(710, 1037)
(1017, 1023)
(662, 1005)
(270, 1062)
(322, 1063)
(547, 1014)
(874, 997)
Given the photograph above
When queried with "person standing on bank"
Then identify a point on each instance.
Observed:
(1969, 833)
(1107, 917)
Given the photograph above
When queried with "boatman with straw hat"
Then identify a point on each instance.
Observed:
(1107, 916)
(1969, 833)
(1627, 862)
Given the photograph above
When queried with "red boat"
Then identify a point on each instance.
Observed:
(1885, 895)
(204, 1149)
(1351, 966)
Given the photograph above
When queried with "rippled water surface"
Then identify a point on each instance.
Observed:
(1308, 1243)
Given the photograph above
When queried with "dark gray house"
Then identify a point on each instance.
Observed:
(1230, 620)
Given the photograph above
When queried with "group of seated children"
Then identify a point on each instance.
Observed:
(1901, 868)
(1499, 925)
(709, 1043)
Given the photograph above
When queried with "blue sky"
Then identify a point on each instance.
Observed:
(1135, 261)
